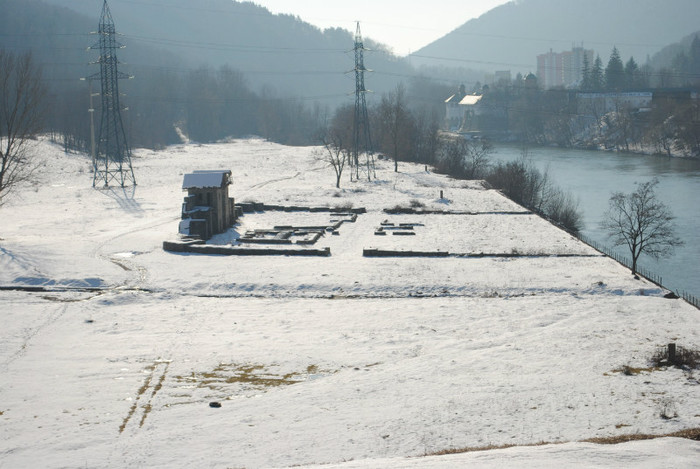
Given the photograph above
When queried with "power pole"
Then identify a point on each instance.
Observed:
(91, 110)
(362, 142)
(112, 161)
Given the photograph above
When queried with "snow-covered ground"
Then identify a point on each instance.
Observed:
(322, 360)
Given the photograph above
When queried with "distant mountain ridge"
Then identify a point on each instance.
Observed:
(510, 37)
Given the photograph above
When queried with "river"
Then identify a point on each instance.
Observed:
(592, 176)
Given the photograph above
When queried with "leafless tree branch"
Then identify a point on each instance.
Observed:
(21, 116)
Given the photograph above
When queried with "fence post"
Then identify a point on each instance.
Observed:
(672, 354)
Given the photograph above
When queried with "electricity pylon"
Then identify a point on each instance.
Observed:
(362, 141)
(112, 161)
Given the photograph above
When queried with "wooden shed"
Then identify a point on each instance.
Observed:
(207, 209)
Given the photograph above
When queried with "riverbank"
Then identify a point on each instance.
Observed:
(592, 177)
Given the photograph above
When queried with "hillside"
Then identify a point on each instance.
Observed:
(280, 53)
(510, 36)
(518, 337)
(666, 56)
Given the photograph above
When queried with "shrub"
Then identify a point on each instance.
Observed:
(684, 358)
(526, 185)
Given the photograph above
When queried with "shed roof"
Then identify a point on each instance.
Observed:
(206, 179)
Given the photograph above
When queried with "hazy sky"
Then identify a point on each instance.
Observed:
(404, 25)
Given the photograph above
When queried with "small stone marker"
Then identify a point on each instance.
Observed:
(215, 405)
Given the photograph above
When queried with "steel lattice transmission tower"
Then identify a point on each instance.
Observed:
(112, 162)
(362, 141)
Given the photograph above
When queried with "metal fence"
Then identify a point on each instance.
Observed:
(646, 273)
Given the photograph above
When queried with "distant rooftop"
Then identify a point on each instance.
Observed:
(470, 100)
(206, 178)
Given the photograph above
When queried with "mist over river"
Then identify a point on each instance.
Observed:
(592, 176)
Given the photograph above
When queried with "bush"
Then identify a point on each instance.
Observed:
(526, 185)
(684, 358)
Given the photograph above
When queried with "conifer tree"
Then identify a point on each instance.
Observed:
(631, 74)
(614, 72)
(597, 79)
(586, 84)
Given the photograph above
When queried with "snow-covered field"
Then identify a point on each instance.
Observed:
(344, 360)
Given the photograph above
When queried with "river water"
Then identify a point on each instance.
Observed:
(592, 176)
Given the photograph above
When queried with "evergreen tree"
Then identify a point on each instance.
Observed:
(586, 84)
(614, 72)
(644, 77)
(597, 79)
(631, 74)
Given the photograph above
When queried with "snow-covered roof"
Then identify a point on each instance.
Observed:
(204, 179)
(470, 100)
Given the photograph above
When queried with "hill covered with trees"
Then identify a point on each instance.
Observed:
(208, 70)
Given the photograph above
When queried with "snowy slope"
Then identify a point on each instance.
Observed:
(322, 360)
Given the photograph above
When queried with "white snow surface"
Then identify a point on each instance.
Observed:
(343, 361)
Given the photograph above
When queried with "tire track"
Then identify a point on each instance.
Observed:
(265, 183)
(31, 333)
(143, 403)
(142, 272)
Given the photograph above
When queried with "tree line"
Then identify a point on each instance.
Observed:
(684, 71)
(202, 105)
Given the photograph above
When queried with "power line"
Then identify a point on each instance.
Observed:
(229, 47)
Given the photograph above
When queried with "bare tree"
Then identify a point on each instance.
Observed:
(395, 125)
(641, 222)
(336, 139)
(21, 115)
(334, 153)
(620, 128)
(476, 161)
(464, 158)
(426, 139)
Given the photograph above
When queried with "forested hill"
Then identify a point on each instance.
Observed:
(669, 56)
(511, 36)
(56, 36)
(211, 69)
(278, 53)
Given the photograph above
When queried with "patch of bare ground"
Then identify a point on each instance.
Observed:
(473, 449)
(690, 434)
